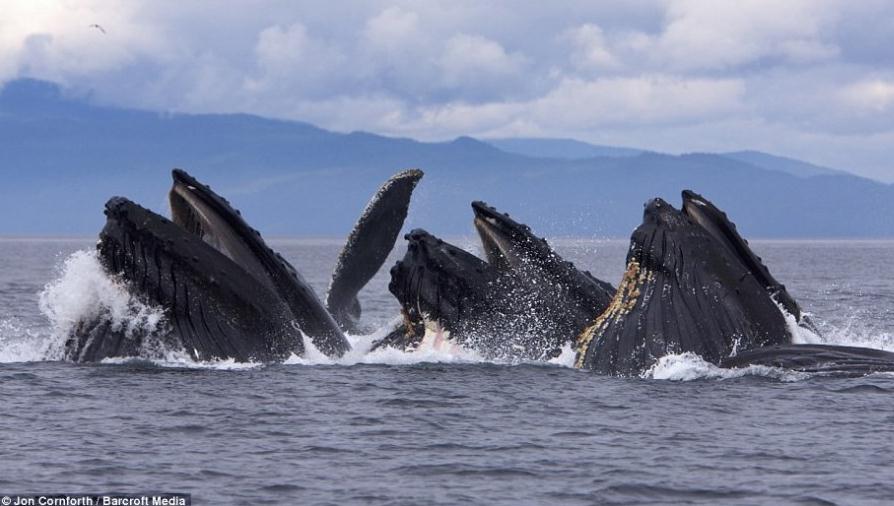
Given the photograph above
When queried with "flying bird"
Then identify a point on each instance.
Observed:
(98, 27)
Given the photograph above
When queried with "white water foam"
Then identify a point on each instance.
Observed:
(432, 349)
(18, 343)
(566, 357)
(182, 360)
(689, 366)
(83, 292)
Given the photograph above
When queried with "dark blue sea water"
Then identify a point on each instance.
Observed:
(442, 426)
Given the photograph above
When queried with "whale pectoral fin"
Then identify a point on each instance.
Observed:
(817, 358)
(348, 315)
(369, 245)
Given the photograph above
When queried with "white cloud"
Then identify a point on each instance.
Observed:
(871, 95)
(590, 48)
(289, 58)
(393, 29)
(722, 34)
(634, 100)
(662, 74)
(55, 40)
(478, 65)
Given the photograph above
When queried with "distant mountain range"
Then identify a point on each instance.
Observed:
(567, 149)
(61, 157)
(570, 149)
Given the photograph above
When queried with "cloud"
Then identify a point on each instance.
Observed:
(711, 35)
(654, 99)
(479, 66)
(871, 95)
(590, 48)
(658, 74)
(288, 58)
(53, 41)
(393, 30)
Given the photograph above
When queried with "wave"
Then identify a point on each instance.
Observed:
(689, 366)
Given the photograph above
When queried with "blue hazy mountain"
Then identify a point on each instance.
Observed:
(63, 156)
(781, 163)
(568, 149)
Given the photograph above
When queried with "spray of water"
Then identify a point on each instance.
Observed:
(83, 292)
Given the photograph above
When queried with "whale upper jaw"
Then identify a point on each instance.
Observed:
(244, 290)
(199, 210)
(203, 213)
(507, 243)
(716, 223)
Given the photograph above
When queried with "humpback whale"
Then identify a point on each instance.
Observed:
(525, 301)
(683, 291)
(440, 287)
(692, 284)
(224, 292)
(512, 248)
(214, 308)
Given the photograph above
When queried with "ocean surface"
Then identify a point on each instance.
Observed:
(442, 426)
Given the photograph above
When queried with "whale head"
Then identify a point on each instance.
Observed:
(683, 291)
(215, 308)
(440, 284)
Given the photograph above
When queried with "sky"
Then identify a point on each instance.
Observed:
(810, 79)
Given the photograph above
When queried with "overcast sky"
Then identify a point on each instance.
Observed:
(810, 79)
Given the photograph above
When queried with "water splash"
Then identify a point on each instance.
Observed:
(855, 331)
(19, 343)
(689, 366)
(85, 293)
(430, 350)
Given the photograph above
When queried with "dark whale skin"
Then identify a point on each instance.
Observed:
(369, 245)
(683, 291)
(817, 358)
(526, 302)
(563, 299)
(438, 282)
(265, 264)
(214, 309)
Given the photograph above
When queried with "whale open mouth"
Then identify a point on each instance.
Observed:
(501, 236)
(215, 308)
(200, 211)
